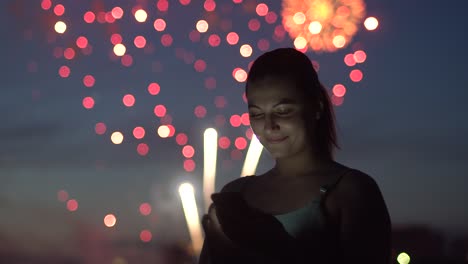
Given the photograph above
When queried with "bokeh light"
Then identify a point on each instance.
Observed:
(300, 43)
(139, 132)
(184, 2)
(220, 101)
(403, 258)
(356, 75)
(240, 143)
(154, 88)
(236, 154)
(140, 42)
(200, 65)
(59, 10)
(235, 120)
(339, 90)
(188, 151)
(246, 50)
(89, 17)
(214, 40)
(88, 102)
(145, 209)
(261, 9)
(254, 24)
(209, 5)
(232, 38)
(263, 44)
(110, 220)
(202, 26)
(239, 75)
(271, 17)
(128, 100)
(89, 80)
(171, 130)
(160, 110)
(371, 23)
(46, 4)
(62, 195)
(141, 15)
(116, 39)
(100, 128)
(349, 60)
(72, 205)
(181, 139)
(117, 12)
(189, 165)
(325, 25)
(164, 131)
(60, 27)
(315, 27)
(126, 60)
(224, 142)
(159, 24)
(337, 101)
(360, 56)
(339, 41)
(69, 53)
(200, 111)
(245, 119)
(117, 137)
(166, 40)
(64, 71)
(162, 5)
(146, 236)
(142, 149)
(119, 49)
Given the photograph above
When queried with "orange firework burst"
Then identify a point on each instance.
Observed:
(323, 25)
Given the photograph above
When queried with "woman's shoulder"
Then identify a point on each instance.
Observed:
(357, 179)
(357, 185)
(236, 185)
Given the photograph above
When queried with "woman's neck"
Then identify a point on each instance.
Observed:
(300, 165)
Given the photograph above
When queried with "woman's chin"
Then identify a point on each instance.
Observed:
(276, 154)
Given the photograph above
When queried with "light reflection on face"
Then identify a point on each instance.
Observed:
(276, 116)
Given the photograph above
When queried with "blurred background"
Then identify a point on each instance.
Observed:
(104, 104)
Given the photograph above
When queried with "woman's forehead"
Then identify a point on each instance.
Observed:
(272, 90)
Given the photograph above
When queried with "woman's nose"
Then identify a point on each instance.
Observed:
(270, 123)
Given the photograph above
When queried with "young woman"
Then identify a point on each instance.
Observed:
(308, 208)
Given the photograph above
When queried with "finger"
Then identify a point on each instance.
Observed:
(206, 221)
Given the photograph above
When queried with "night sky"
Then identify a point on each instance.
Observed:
(404, 123)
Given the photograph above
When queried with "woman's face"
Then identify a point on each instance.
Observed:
(276, 117)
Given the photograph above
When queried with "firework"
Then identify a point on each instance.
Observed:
(323, 25)
(209, 167)
(187, 196)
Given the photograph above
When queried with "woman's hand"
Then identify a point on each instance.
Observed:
(247, 226)
(214, 231)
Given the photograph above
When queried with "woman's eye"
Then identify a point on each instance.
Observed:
(254, 115)
(283, 112)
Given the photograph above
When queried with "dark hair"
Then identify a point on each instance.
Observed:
(294, 66)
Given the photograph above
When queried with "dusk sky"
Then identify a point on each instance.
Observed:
(404, 123)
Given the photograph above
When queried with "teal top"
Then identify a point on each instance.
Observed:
(310, 227)
(316, 240)
(309, 215)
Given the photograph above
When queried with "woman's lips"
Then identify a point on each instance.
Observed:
(276, 140)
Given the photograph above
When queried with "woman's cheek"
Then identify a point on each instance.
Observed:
(256, 128)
